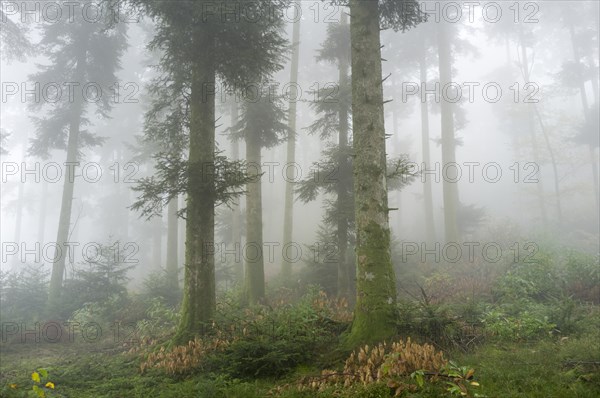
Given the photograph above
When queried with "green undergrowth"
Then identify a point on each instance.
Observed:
(566, 367)
(523, 330)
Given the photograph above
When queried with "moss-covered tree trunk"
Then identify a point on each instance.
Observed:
(344, 185)
(199, 297)
(64, 221)
(172, 238)
(427, 190)
(254, 287)
(288, 216)
(450, 186)
(375, 310)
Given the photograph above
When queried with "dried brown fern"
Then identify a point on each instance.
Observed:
(184, 358)
(382, 363)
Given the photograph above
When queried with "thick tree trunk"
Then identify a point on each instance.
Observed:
(375, 310)
(254, 289)
(172, 238)
(236, 214)
(288, 217)
(199, 297)
(427, 189)
(64, 221)
(398, 151)
(450, 186)
(344, 185)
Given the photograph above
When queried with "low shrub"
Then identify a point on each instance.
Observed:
(24, 294)
(389, 369)
(255, 342)
(40, 386)
(157, 285)
(159, 322)
(525, 326)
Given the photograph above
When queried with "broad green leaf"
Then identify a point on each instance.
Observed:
(40, 393)
(420, 380)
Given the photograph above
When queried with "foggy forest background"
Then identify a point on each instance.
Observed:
(490, 171)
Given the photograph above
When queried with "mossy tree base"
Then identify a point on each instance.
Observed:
(375, 311)
(199, 296)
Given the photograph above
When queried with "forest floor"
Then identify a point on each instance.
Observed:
(545, 369)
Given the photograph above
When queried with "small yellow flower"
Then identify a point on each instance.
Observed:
(50, 385)
(13, 385)
(35, 376)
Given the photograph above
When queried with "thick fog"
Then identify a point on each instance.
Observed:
(229, 198)
(502, 171)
